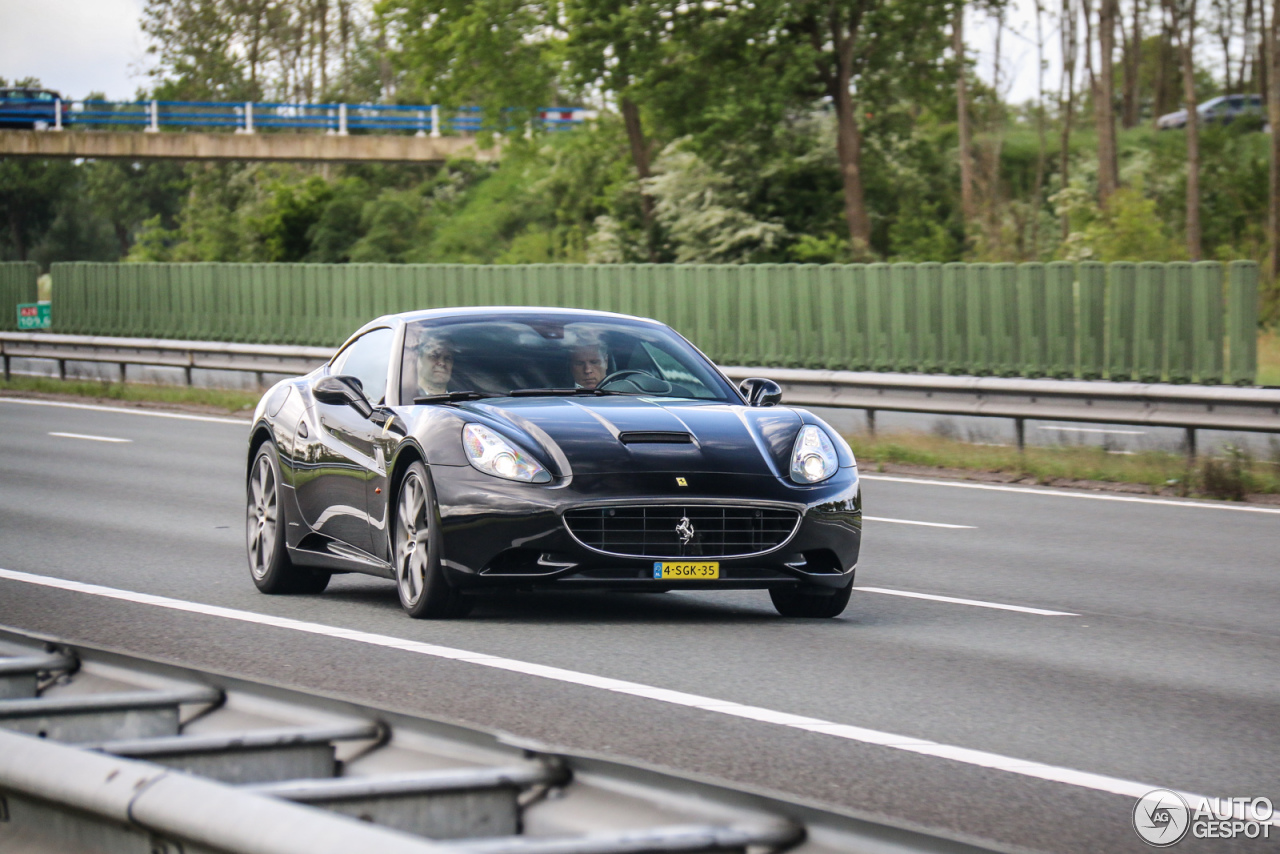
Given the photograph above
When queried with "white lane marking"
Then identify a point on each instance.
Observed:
(1028, 490)
(914, 522)
(126, 411)
(90, 438)
(1095, 430)
(979, 758)
(976, 602)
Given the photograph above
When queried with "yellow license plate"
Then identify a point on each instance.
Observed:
(688, 570)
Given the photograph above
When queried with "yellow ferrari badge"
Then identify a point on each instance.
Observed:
(681, 482)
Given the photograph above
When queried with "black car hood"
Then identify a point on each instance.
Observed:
(586, 435)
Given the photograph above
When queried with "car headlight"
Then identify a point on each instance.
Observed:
(813, 457)
(494, 455)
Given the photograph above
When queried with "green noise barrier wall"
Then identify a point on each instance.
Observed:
(1177, 322)
(17, 285)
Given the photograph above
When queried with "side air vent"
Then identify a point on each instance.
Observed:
(655, 437)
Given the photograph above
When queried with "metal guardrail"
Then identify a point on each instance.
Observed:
(252, 116)
(1186, 407)
(187, 761)
(259, 359)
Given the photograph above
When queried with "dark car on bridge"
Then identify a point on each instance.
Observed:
(459, 451)
(22, 107)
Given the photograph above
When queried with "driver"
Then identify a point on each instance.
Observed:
(589, 364)
(435, 366)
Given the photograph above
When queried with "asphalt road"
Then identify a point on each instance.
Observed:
(1167, 673)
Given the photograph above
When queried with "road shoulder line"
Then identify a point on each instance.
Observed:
(126, 410)
(1022, 609)
(1064, 493)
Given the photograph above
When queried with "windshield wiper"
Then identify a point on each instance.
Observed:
(568, 392)
(453, 397)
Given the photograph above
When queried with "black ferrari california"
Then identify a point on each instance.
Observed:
(456, 451)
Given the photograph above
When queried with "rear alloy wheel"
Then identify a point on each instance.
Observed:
(807, 600)
(269, 562)
(424, 591)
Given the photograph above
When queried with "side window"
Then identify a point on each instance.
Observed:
(674, 372)
(367, 359)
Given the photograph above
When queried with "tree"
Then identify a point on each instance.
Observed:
(1070, 48)
(127, 194)
(499, 54)
(1103, 88)
(1271, 42)
(1131, 63)
(863, 53)
(194, 43)
(30, 194)
(1183, 13)
(968, 210)
(249, 49)
(617, 46)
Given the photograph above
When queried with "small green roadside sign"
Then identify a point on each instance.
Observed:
(33, 315)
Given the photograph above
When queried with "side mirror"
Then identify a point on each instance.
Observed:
(761, 392)
(343, 391)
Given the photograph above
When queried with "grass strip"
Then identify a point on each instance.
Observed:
(225, 400)
(1232, 476)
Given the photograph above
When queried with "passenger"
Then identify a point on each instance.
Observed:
(435, 366)
(589, 364)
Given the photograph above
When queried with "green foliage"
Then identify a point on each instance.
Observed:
(704, 215)
(284, 223)
(731, 102)
(31, 192)
(193, 42)
(1128, 230)
(499, 54)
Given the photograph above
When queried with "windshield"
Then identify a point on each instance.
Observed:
(559, 354)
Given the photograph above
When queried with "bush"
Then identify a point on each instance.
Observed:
(1227, 478)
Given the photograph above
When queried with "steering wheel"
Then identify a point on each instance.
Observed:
(622, 375)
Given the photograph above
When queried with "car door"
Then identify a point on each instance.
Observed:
(343, 457)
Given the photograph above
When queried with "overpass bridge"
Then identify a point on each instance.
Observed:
(232, 146)
(252, 131)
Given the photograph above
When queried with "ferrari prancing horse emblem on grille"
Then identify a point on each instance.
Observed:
(681, 482)
(685, 531)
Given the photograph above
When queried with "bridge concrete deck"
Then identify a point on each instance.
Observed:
(239, 146)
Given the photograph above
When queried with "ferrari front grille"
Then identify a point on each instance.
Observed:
(682, 530)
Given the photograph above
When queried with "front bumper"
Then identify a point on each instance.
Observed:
(502, 534)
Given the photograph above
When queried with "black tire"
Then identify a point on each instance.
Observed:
(807, 600)
(415, 549)
(269, 564)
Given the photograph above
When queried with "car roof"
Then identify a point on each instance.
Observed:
(487, 312)
(484, 311)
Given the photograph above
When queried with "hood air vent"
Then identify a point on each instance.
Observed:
(655, 437)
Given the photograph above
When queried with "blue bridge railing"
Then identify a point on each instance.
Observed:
(254, 116)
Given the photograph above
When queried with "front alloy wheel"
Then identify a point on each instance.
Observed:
(269, 563)
(424, 591)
